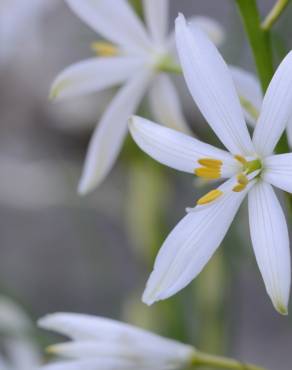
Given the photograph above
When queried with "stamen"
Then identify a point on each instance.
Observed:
(211, 169)
(210, 197)
(209, 162)
(242, 179)
(240, 159)
(208, 173)
(104, 49)
(239, 187)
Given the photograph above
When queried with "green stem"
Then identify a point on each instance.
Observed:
(204, 359)
(274, 14)
(259, 40)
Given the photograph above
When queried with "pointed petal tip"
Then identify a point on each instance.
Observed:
(180, 18)
(281, 308)
(44, 322)
(83, 189)
(148, 298)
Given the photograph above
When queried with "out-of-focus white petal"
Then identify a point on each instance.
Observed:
(276, 109)
(191, 244)
(249, 92)
(93, 75)
(109, 135)
(165, 104)
(113, 19)
(177, 150)
(269, 234)
(141, 352)
(102, 338)
(93, 328)
(23, 354)
(278, 171)
(212, 88)
(289, 132)
(93, 364)
(156, 16)
(210, 26)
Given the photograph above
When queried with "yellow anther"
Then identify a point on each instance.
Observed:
(210, 163)
(238, 188)
(210, 197)
(240, 159)
(208, 173)
(242, 179)
(104, 49)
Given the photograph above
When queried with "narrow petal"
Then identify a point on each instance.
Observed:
(289, 132)
(175, 149)
(93, 364)
(109, 135)
(278, 171)
(93, 328)
(140, 352)
(165, 104)
(212, 88)
(93, 75)
(249, 92)
(276, 109)
(113, 19)
(269, 234)
(102, 337)
(156, 15)
(191, 244)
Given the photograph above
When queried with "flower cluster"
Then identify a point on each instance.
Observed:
(139, 58)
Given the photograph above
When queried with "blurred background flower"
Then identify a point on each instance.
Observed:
(19, 348)
(62, 253)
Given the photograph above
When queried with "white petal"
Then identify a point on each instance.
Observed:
(278, 171)
(289, 132)
(276, 109)
(113, 19)
(191, 244)
(102, 337)
(93, 364)
(93, 328)
(107, 140)
(269, 234)
(156, 16)
(210, 26)
(249, 91)
(175, 149)
(139, 352)
(212, 88)
(93, 75)
(165, 104)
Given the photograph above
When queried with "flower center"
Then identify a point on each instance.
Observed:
(211, 169)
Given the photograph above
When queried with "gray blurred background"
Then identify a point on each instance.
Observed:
(60, 252)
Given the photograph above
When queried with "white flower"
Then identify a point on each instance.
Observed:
(20, 21)
(134, 58)
(250, 93)
(250, 167)
(100, 344)
(15, 330)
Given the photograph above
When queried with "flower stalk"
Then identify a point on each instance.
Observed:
(274, 14)
(259, 40)
(204, 359)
